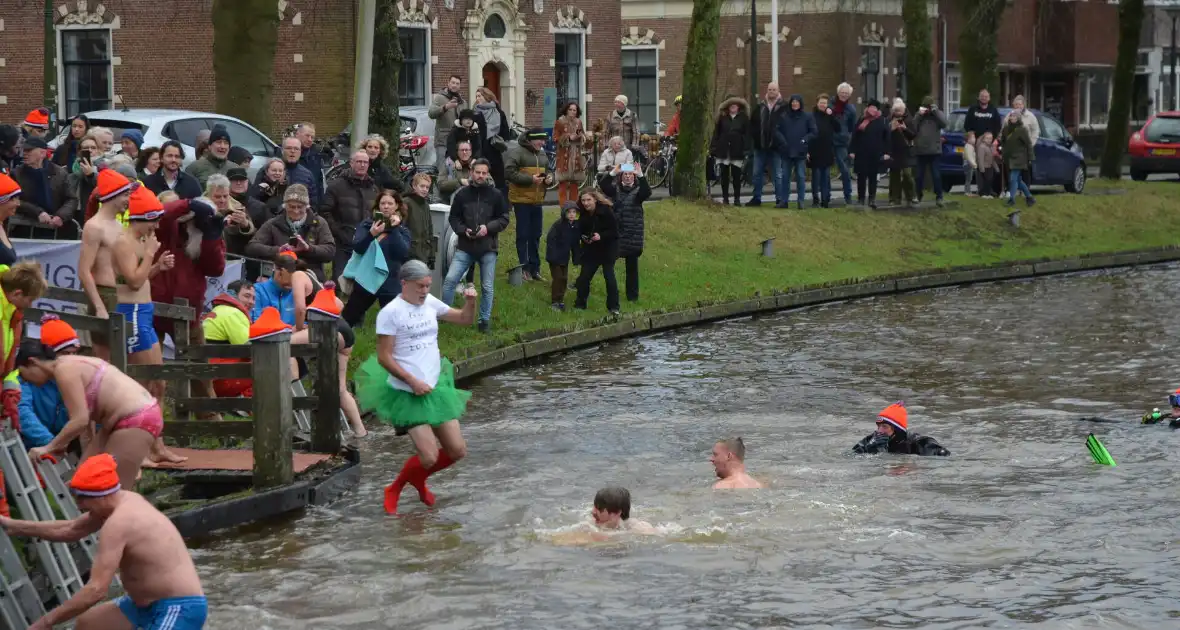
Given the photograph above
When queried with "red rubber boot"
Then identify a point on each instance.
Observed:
(424, 493)
(412, 473)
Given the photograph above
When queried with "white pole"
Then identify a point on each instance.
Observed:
(774, 41)
(366, 22)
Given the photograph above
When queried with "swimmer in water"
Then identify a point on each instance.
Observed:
(893, 436)
(729, 462)
(1156, 416)
(611, 514)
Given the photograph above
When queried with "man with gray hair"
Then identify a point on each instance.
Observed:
(347, 203)
(845, 114)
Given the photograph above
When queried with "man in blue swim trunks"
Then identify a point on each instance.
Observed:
(135, 539)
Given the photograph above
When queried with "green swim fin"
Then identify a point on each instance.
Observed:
(1099, 452)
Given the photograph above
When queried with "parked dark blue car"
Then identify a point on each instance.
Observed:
(1059, 158)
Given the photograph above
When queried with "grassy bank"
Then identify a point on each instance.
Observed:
(711, 253)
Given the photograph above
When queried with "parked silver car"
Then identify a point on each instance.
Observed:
(161, 125)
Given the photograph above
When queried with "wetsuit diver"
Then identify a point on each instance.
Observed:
(892, 436)
(1156, 416)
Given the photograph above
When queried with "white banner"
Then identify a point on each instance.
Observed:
(59, 262)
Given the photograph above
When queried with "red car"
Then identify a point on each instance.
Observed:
(1156, 147)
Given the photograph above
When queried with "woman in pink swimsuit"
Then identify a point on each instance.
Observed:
(95, 394)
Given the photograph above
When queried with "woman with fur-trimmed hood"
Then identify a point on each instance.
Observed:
(731, 141)
(469, 127)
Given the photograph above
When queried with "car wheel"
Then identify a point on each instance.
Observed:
(1138, 175)
(1078, 183)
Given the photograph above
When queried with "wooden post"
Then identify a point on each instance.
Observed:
(269, 361)
(180, 338)
(325, 426)
(117, 337)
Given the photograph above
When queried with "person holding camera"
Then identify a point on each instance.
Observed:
(304, 231)
(386, 230)
(600, 249)
(929, 124)
(478, 214)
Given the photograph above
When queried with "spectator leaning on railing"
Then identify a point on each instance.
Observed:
(305, 232)
(46, 197)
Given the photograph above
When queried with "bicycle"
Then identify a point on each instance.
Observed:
(662, 166)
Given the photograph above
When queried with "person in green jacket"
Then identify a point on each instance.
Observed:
(418, 219)
(215, 159)
(1017, 146)
(229, 323)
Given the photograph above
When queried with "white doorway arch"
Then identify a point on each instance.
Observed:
(504, 54)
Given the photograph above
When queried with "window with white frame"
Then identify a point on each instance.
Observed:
(568, 62)
(641, 85)
(954, 86)
(86, 70)
(871, 84)
(1094, 94)
(413, 82)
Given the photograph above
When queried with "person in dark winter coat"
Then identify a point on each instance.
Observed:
(901, 140)
(561, 244)
(627, 193)
(893, 436)
(296, 172)
(169, 176)
(821, 152)
(1018, 156)
(600, 249)
(478, 214)
(868, 150)
(731, 141)
(348, 201)
(378, 149)
(269, 187)
(314, 245)
(767, 140)
(929, 123)
(797, 129)
(497, 134)
(845, 113)
(983, 118)
(312, 160)
(393, 237)
(256, 210)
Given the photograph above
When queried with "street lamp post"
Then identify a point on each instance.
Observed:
(366, 21)
(1172, 62)
(754, 52)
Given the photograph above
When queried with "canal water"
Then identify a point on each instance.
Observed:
(1017, 529)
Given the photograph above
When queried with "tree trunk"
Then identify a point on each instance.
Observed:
(384, 106)
(245, 35)
(1130, 22)
(697, 107)
(919, 53)
(977, 48)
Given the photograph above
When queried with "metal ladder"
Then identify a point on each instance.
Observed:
(303, 416)
(20, 605)
(54, 472)
(26, 491)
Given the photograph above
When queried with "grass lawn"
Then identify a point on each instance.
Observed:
(711, 253)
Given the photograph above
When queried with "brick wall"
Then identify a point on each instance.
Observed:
(21, 48)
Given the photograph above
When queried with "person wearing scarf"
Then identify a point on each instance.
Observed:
(868, 149)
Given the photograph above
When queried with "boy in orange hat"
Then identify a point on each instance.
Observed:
(135, 539)
(43, 414)
(36, 123)
(893, 436)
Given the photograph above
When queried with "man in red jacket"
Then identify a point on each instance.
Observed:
(191, 230)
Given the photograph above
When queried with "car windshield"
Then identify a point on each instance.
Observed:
(954, 122)
(409, 125)
(117, 126)
(1164, 129)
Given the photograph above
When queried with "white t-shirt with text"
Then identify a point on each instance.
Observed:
(415, 332)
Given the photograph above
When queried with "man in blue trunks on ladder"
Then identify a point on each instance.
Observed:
(157, 572)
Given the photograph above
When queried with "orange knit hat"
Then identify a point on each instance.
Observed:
(895, 415)
(144, 206)
(57, 334)
(268, 324)
(111, 184)
(38, 118)
(325, 301)
(98, 476)
(9, 189)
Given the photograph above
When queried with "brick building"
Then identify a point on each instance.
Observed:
(158, 53)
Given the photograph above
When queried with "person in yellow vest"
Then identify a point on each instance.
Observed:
(228, 323)
(20, 285)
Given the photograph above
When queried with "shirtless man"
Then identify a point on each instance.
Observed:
(611, 514)
(95, 268)
(157, 572)
(729, 461)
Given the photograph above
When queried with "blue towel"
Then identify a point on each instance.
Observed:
(368, 270)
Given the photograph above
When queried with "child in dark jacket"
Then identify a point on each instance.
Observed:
(562, 243)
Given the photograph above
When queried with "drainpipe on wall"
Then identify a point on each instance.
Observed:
(945, 91)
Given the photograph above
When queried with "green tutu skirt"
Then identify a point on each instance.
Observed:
(403, 409)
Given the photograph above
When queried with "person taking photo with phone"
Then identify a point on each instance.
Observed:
(304, 231)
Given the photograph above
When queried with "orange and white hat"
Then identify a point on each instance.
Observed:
(38, 118)
(9, 189)
(895, 415)
(268, 324)
(144, 206)
(57, 334)
(325, 301)
(98, 476)
(111, 184)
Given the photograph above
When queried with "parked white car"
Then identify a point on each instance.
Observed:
(161, 125)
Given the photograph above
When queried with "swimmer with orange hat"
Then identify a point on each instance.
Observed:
(135, 539)
(893, 436)
(1155, 416)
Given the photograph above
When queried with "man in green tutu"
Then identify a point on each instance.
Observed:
(410, 386)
